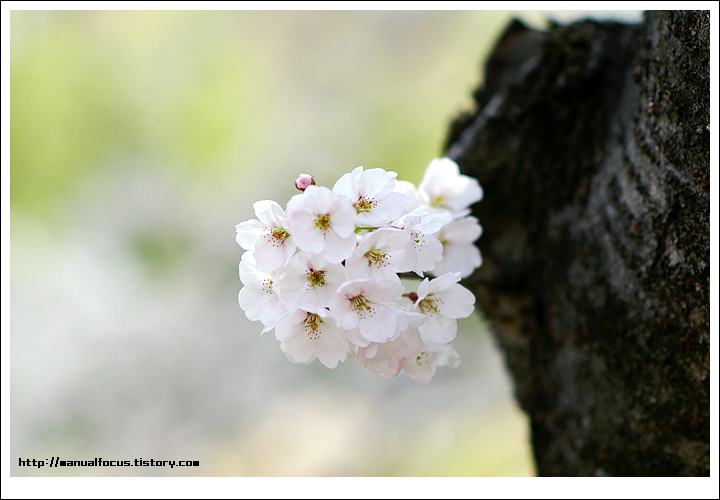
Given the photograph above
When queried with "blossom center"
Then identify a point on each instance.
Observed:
(279, 235)
(418, 238)
(421, 358)
(312, 326)
(429, 305)
(323, 222)
(359, 302)
(316, 278)
(365, 204)
(376, 257)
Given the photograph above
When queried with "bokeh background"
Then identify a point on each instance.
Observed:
(138, 141)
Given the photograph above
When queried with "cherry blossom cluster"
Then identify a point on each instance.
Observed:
(325, 272)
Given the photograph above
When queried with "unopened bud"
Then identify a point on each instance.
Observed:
(413, 296)
(303, 181)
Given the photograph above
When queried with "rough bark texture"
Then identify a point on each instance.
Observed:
(592, 144)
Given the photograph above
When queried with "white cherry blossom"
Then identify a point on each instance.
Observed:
(310, 332)
(443, 186)
(258, 298)
(424, 243)
(381, 254)
(460, 254)
(323, 222)
(371, 192)
(365, 305)
(267, 236)
(309, 280)
(421, 366)
(442, 301)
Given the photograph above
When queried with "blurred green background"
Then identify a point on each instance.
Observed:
(138, 141)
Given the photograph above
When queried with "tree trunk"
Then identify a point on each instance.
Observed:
(592, 144)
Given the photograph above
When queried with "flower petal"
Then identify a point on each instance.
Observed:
(248, 232)
(462, 258)
(337, 248)
(269, 212)
(438, 329)
(379, 325)
(457, 302)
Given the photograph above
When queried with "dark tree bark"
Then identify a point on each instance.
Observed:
(592, 144)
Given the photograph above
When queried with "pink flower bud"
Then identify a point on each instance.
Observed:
(303, 181)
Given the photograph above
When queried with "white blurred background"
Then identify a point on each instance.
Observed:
(138, 141)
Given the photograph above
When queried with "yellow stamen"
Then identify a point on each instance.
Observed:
(323, 222)
(360, 302)
(316, 278)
